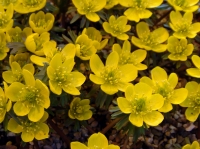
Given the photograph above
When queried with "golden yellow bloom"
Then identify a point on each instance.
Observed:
(3, 46)
(6, 3)
(20, 58)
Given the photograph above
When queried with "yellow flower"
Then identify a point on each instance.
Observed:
(41, 22)
(192, 101)
(80, 109)
(15, 74)
(150, 40)
(5, 103)
(111, 3)
(21, 58)
(96, 37)
(117, 27)
(3, 46)
(126, 57)
(61, 76)
(195, 72)
(34, 42)
(184, 5)
(6, 3)
(194, 145)
(84, 47)
(164, 85)
(31, 98)
(89, 8)
(26, 6)
(137, 8)
(17, 35)
(6, 21)
(179, 49)
(95, 141)
(141, 105)
(30, 130)
(182, 25)
(111, 77)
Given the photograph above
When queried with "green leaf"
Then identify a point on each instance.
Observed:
(67, 39)
(58, 29)
(75, 18)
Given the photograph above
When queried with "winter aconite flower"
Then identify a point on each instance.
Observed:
(26, 6)
(192, 101)
(184, 5)
(80, 109)
(41, 22)
(95, 141)
(182, 25)
(96, 37)
(21, 58)
(61, 76)
(6, 3)
(111, 3)
(195, 72)
(6, 21)
(117, 27)
(111, 77)
(31, 98)
(141, 105)
(3, 46)
(150, 40)
(194, 145)
(165, 86)
(137, 8)
(126, 57)
(179, 49)
(89, 8)
(30, 130)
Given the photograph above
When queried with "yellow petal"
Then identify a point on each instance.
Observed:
(21, 108)
(38, 60)
(167, 106)
(98, 140)
(124, 105)
(13, 90)
(113, 146)
(36, 113)
(92, 16)
(192, 114)
(129, 73)
(42, 133)
(14, 126)
(112, 59)
(96, 64)
(71, 90)
(77, 145)
(194, 72)
(158, 74)
(130, 92)
(142, 29)
(173, 80)
(78, 78)
(156, 101)
(54, 87)
(132, 14)
(96, 79)
(153, 118)
(178, 96)
(27, 136)
(109, 89)
(142, 89)
(196, 61)
(56, 61)
(136, 120)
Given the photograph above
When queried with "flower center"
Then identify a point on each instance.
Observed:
(180, 3)
(124, 58)
(7, 2)
(31, 3)
(3, 20)
(16, 37)
(18, 77)
(29, 127)
(149, 40)
(183, 28)
(41, 23)
(194, 100)
(139, 4)
(116, 28)
(39, 43)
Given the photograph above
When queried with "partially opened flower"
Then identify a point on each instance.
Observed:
(21, 58)
(80, 109)
(111, 3)
(26, 6)
(194, 145)
(31, 98)
(95, 141)
(111, 77)
(96, 37)
(34, 42)
(137, 9)
(195, 72)
(141, 105)
(182, 25)
(165, 86)
(117, 27)
(41, 22)
(179, 49)
(89, 8)
(126, 57)
(184, 5)
(30, 130)
(3, 46)
(192, 101)
(61, 76)
(150, 40)
(6, 3)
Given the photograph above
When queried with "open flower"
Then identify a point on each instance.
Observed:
(150, 40)
(179, 49)
(137, 9)
(26, 6)
(184, 5)
(192, 101)
(111, 3)
(117, 27)
(6, 3)
(41, 22)
(31, 98)
(15, 74)
(194, 145)
(164, 85)
(61, 76)
(141, 105)
(34, 42)
(30, 130)
(84, 47)
(126, 57)
(95, 141)
(89, 8)
(3, 46)
(96, 37)
(182, 25)
(111, 77)
(6, 18)
(195, 72)
(80, 109)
